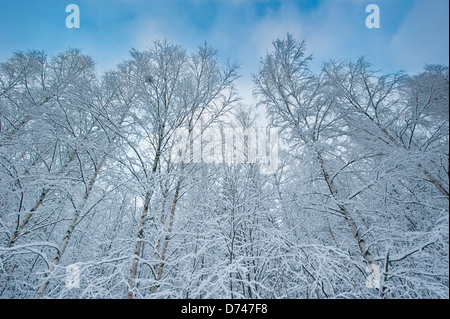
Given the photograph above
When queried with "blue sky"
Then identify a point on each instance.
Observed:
(412, 32)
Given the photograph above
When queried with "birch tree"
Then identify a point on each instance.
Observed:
(150, 180)
(176, 90)
(378, 102)
(297, 101)
(41, 138)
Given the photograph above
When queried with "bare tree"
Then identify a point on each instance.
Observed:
(298, 102)
(378, 100)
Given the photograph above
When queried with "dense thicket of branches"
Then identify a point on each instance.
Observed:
(94, 174)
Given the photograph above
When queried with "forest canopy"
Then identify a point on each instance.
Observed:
(95, 203)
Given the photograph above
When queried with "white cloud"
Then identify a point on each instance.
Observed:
(423, 37)
(330, 30)
(150, 30)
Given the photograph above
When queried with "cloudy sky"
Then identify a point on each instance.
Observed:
(412, 32)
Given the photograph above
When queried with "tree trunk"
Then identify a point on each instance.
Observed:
(24, 121)
(160, 267)
(350, 222)
(45, 193)
(137, 251)
(38, 203)
(63, 246)
(140, 237)
(429, 177)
